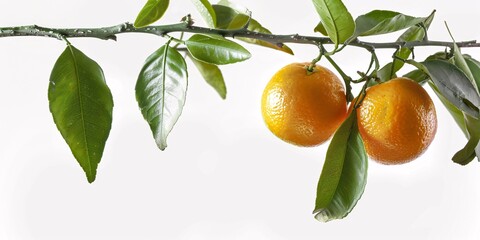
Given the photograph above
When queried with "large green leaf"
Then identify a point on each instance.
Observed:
(414, 33)
(344, 173)
(151, 12)
(471, 69)
(212, 75)
(206, 10)
(161, 91)
(216, 50)
(81, 105)
(380, 22)
(336, 19)
(241, 19)
(453, 84)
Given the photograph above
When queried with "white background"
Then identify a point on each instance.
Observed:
(224, 175)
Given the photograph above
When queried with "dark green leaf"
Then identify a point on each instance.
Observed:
(460, 62)
(224, 15)
(474, 67)
(344, 173)
(161, 91)
(212, 75)
(81, 104)
(453, 84)
(321, 29)
(456, 113)
(336, 19)
(216, 50)
(470, 67)
(206, 10)
(151, 12)
(381, 22)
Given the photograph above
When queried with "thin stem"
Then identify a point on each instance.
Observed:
(346, 79)
(110, 33)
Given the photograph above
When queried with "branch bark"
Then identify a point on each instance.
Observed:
(110, 33)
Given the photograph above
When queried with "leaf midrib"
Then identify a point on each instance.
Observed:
(79, 94)
(164, 76)
(337, 35)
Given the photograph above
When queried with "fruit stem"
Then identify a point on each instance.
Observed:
(311, 67)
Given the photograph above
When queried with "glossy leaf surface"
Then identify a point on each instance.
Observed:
(161, 91)
(151, 12)
(336, 19)
(344, 173)
(216, 50)
(454, 85)
(81, 105)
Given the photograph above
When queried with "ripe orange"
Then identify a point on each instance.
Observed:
(397, 121)
(304, 108)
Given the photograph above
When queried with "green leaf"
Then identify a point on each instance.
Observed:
(461, 63)
(418, 76)
(206, 10)
(380, 22)
(463, 157)
(151, 12)
(474, 67)
(241, 20)
(212, 75)
(414, 33)
(336, 19)
(224, 15)
(321, 29)
(229, 18)
(456, 113)
(161, 91)
(344, 173)
(216, 50)
(81, 105)
(453, 84)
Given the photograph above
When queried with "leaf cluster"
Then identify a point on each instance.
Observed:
(82, 104)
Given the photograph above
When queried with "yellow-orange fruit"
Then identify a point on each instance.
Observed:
(304, 108)
(397, 121)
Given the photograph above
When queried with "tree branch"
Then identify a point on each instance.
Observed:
(110, 33)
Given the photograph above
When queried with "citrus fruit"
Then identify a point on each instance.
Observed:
(397, 121)
(301, 107)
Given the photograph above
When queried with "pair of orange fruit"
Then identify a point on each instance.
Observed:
(396, 119)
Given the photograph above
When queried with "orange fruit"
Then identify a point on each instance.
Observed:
(304, 108)
(397, 121)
